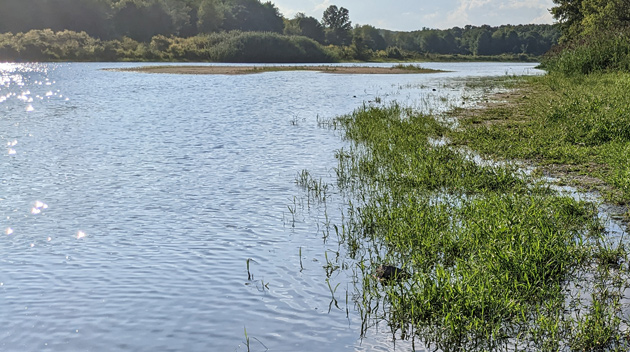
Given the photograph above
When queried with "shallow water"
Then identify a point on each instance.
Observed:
(131, 203)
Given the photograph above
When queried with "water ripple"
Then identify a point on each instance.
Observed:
(131, 205)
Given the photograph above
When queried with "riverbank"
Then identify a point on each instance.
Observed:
(497, 259)
(574, 128)
(251, 69)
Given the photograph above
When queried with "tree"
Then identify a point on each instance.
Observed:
(371, 37)
(210, 16)
(141, 21)
(604, 15)
(431, 43)
(569, 15)
(483, 45)
(580, 18)
(338, 26)
(533, 44)
(182, 13)
(305, 26)
(252, 15)
(76, 15)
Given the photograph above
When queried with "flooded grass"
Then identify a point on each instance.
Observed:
(496, 259)
(575, 126)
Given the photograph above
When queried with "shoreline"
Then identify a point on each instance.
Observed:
(479, 237)
(252, 69)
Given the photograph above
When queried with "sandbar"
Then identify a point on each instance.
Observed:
(252, 69)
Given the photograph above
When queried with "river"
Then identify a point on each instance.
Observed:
(132, 206)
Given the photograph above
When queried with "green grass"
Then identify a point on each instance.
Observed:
(495, 255)
(579, 123)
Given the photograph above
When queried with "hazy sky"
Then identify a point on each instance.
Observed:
(409, 15)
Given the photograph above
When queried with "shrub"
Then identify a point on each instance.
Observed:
(605, 52)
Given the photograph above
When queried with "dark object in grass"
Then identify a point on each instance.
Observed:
(388, 273)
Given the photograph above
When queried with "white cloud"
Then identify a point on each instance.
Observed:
(430, 17)
(287, 12)
(409, 15)
(322, 6)
(522, 4)
(497, 12)
(545, 18)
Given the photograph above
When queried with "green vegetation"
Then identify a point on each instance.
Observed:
(575, 119)
(585, 18)
(477, 41)
(499, 260)
(576, 123)
(495, 256)
(604, 52)
(595, 37)
(188, 30)
(46, 45)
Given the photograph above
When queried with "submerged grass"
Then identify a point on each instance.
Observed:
(495, 256)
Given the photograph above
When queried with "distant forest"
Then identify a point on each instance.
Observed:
(235, 30)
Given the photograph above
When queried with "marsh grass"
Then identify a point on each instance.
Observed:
(410, 67)
(316, 189)
(495, 255)
(579, 124)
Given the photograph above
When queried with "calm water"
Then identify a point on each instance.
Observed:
(130, 204)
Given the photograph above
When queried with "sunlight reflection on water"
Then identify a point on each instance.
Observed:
(133, 204)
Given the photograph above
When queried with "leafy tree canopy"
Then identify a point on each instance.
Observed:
(338, 25)
(578, 18)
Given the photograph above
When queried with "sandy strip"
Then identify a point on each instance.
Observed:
(241, 70)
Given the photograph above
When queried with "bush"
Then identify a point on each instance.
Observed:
(604, 52)
(265, 47)
(46, 45)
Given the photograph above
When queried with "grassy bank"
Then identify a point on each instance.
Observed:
(497, 260)
(575, 126)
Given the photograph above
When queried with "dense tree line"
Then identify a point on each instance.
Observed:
(140, 19)
(234, 46)
(109, 22)
(477, 40)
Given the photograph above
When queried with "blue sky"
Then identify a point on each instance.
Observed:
(409, 15)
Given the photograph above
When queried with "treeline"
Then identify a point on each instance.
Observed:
(235, 46)
(139, 20)
(595, 37)
(477, 40)
(141, 29)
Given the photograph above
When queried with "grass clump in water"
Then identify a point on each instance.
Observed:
(491, 252)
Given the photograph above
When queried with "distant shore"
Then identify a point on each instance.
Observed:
(251, 69)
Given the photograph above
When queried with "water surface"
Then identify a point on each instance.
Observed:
(131, 203)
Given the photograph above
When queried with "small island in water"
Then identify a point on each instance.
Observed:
(251, 69)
